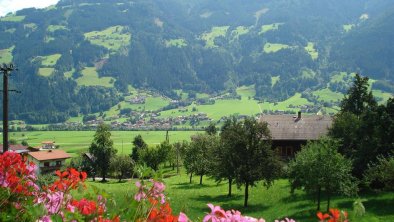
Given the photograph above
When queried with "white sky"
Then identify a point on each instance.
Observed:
(15, 5)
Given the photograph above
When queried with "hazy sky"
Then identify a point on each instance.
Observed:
(14, 5)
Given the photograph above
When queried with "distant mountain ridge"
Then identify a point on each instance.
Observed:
(81, 56)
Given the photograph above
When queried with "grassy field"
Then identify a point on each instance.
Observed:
(69, 74)
(13, 18)
(274, 47)
(240, 30)
(79, 141)
(46, 72)
(348, 27)
(310, 49)
(112, 38)
(274, 80)
(6, 55)
(53, 28)
(49, 60)
(270, 27)
(327, 95)
(273, 203)
(179, 43)
(32, 26)
(209, 37)
(90, 78)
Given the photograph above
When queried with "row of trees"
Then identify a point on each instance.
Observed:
(358, 148)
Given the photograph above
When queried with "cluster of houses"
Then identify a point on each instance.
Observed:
(46, 157)
(289, 133)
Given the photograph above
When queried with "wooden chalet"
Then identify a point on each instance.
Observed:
(290, 132)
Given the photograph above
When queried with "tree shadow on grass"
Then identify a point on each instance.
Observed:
(190, 186)
(220, 198)
(380, 207)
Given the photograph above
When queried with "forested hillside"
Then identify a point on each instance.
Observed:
(81, 56)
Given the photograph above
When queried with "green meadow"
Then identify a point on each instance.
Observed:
(209, 37)
(273, 203)
(274, 47)
(270, 27)
(49, 60)
(326, 95)
(310, 49)
(112, 38)
(179, 43)
(240, 30)
(13, 18)
(348, 27)
(53, 28)
(90, 78)
(79, 141)
(6, 55)
(46, 72)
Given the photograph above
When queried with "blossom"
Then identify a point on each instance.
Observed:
(85, 207)
(216, 214)
(182, 217)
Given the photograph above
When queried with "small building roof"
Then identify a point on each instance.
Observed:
(48, 142)
(15, 147)
(290, 127)
(49, 155)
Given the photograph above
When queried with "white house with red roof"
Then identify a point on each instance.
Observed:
(48, 160)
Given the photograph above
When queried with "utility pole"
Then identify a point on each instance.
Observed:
(5, 69)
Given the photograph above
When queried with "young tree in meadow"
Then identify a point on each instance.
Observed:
(138, 144)
(223, 161)
(122, 165)
(179, 149)
(198, 154)
(102, 149)
(154, 156)
(319, 168)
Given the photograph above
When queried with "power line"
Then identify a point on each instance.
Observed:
(6, 70)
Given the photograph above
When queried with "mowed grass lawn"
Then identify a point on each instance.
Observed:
(79, 141)
(273, 203)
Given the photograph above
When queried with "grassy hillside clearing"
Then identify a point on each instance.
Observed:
(49, 61)
(326, 95)
(274, 47)
(13, 18)
(270, 27)
(271, 204)
(274, 80)
(240, 30)
(348, 27)
(31, 26)
(310, 49)
(90, 78)
(179, 43)
(46, 72)
(112, 38)
(53, 28)
(6, 55)
(209, 37)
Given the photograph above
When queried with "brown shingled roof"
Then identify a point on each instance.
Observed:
(49, 155)
(290, 127)
(14, 147)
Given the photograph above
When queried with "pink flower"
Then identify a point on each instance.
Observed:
(182, 217)
(217, 214)
(285, 220)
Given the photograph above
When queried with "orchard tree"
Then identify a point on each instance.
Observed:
(102, 149)
(253, 158)
(138, 144)
(154, 156)
(198, 154)
(223, 163)
(318, 168)
(122, 165)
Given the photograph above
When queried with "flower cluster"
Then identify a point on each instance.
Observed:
(16, 175)
(219, 215)
(334, 215)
